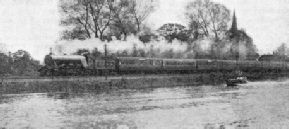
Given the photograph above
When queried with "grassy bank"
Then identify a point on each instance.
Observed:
(80, 86)
(124, 82)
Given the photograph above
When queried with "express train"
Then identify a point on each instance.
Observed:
(79, 65)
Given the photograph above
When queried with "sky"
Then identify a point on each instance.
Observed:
(33, 25)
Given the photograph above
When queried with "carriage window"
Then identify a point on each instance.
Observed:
(191, 63)
(203, 63)
(157, 62)
(141, 62)
(151, 62)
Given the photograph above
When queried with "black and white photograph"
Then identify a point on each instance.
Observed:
(144, 64)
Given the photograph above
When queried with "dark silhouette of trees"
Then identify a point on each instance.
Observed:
(5, 65)
(146, 35)
(173, 31)
(23, 64)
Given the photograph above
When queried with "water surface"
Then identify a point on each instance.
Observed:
(254, 105)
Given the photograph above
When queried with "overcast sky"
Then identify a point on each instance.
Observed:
(33, 25)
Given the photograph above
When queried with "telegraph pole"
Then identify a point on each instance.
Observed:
(105, 60)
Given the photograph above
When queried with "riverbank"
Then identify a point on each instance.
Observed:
(97, 84)
(94, 84)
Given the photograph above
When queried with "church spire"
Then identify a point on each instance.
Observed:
(234, 28)
(234, 23)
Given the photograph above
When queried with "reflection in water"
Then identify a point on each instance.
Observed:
(254, 105)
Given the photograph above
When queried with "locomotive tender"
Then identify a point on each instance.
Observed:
(78, 65)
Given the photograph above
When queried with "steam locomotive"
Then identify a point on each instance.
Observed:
(79, 65)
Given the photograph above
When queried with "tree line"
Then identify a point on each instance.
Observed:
(208, 21)
(19, 63)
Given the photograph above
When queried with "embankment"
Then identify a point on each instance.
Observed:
(80, 85)
(94, 84)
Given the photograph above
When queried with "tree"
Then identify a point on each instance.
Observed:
(173, 31)
(5, 64)
(123, 19)
(208, 18)
(134, 51)
(141, 53)
(24, 64)
(85, 18)
(140, 10)
(101, 18)
(97, 54)
(146, 35)
(281, 50)
(129, 15)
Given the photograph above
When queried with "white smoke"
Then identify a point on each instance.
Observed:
(113, 46)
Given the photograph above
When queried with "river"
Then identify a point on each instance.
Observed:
(253, 105)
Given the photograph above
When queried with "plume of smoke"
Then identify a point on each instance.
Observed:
(157, 48)
(114, 46)
(242, 50)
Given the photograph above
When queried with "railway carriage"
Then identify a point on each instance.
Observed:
(179, 65)
(100, 68)
(277, 65)
(266, 66)
(207, 65)
(286, 66)
(138, 65)
(248, 65)
(227, 65)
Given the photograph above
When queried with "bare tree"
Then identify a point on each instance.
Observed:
(93, 18)
(85, 18)
(208, 17)
(101, 14)
(140, 10)
(129, 15)
(76, 18)
(122, 18)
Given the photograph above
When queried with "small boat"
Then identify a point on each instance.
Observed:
(236, 81)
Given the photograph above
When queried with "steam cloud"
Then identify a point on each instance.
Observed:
(114, 46)
(160, 48)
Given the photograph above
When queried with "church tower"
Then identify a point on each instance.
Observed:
(234, 28)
